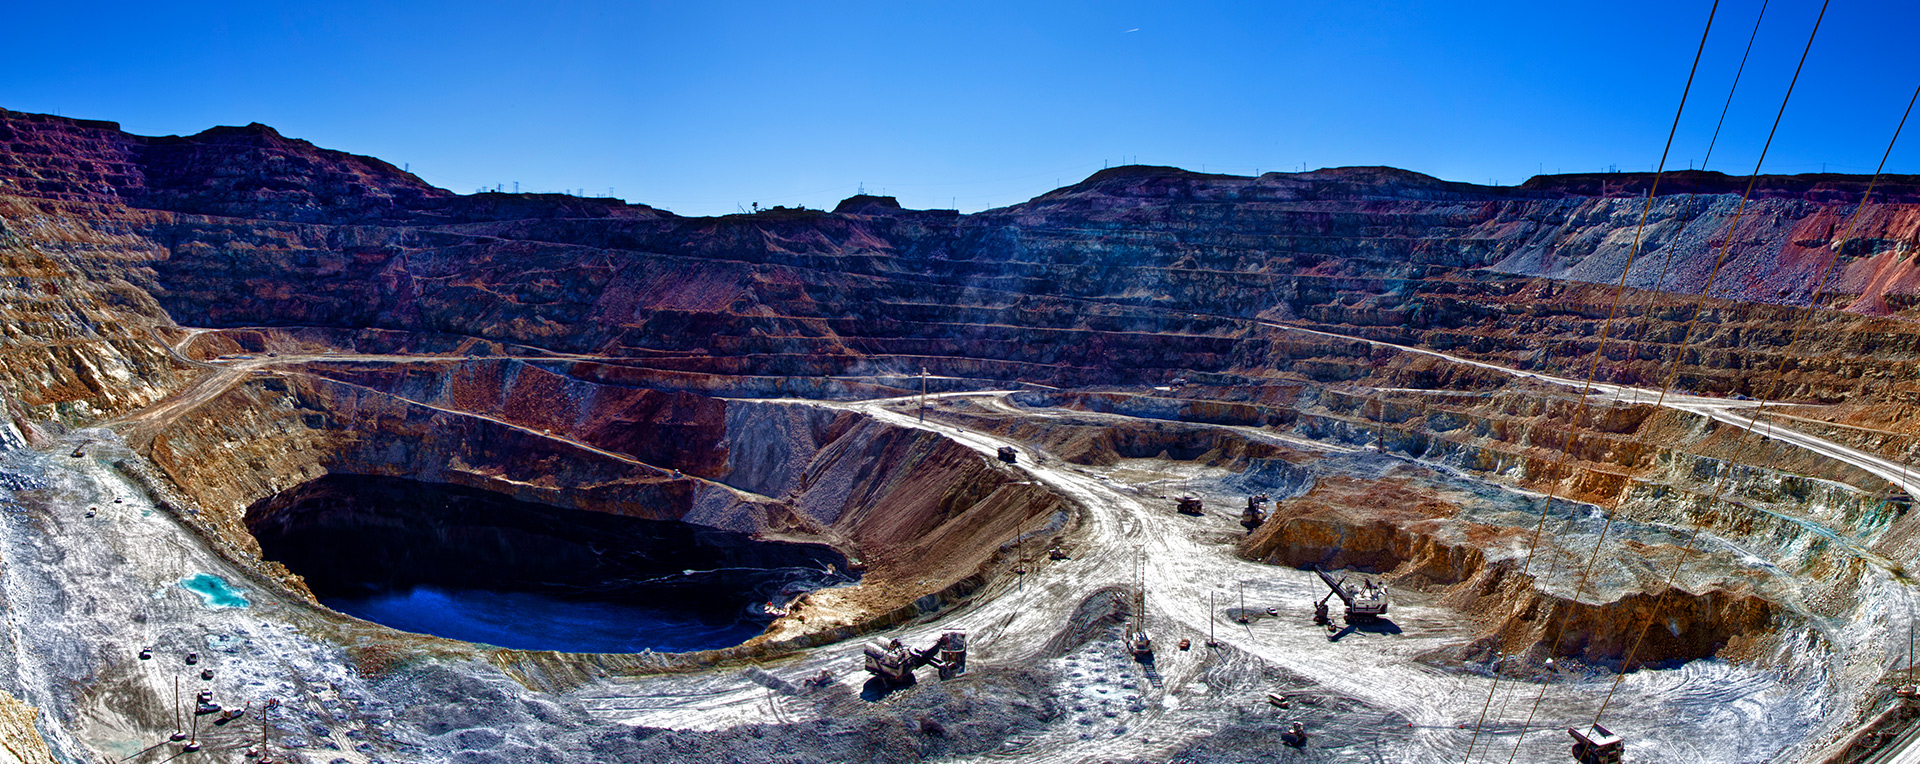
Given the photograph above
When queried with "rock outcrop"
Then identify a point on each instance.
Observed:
(250, 314)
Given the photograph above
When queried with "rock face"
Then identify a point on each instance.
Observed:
(1155, 266)
(256, 319)
(1419, 541)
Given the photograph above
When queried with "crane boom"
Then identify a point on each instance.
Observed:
(1365, 602)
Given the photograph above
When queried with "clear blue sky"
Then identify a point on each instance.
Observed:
(699, 107)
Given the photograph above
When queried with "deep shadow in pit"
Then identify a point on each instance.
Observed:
(478, 566)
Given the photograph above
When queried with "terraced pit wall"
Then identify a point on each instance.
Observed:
(1136, 275)
(926, 515)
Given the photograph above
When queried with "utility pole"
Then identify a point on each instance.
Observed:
(179, 725)
(1210, 619)
(1380, 424)
(923, 394)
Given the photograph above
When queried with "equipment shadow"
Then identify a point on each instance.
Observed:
(877, 689)
(1376, 626)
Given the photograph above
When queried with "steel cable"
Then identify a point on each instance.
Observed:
(1557, 474)
(1667, 385)
(1736, 85)
(1826, 275)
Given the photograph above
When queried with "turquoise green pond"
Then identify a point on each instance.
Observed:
(215, 593)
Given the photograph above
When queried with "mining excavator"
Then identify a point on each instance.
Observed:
(1365, 602)
(1253, 517)
(893, 663)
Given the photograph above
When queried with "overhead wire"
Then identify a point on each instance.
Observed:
(1666, 264)
(1778, 378)
(1556, 475)
(1678, 356)
(1736, 86)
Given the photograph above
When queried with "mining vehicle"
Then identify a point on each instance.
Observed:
(1188, 505)
(1364, 602)
(1596, 746)
(949, 654)
(1140, 645)
(1009, 455)
(1253, 517)
(893, 663)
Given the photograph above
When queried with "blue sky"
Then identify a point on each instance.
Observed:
(703, 107)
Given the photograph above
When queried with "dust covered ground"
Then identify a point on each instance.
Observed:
(1049, 679)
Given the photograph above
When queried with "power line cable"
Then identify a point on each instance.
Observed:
(1678, 356)
(1736, 84)
(1667, 385)
(1666, 265)
(1826, 274)
(1557, 475)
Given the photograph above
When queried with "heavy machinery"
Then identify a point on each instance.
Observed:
(1295, 736)
(1009, 455)
(1596, 746)
(1253, 516)
(893, 663)
(1365, 602)
(1138, 643)
(1188, 505)
(949, 655)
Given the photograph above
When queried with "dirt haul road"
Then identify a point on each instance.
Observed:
(1409, 710)
(1719, 409)
(1399, 708)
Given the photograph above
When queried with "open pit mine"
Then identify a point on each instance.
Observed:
(306, 460)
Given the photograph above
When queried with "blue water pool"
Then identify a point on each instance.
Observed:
(214, 591)
(476, 566)
(531, 621)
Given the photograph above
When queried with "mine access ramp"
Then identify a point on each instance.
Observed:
(1364, 602)
(893, 663)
